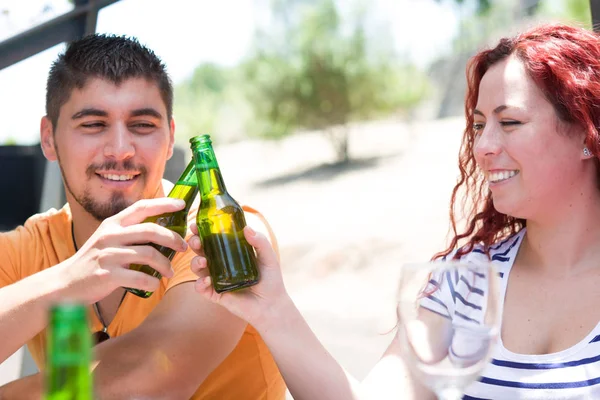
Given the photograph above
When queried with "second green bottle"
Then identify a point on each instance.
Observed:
(185, 189)
(231, 259)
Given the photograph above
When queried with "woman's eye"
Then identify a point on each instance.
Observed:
(510, 123)
(477, 126)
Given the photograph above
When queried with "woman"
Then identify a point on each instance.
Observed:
(529, 165)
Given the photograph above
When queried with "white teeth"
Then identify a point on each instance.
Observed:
(495, 177)
(113, 177)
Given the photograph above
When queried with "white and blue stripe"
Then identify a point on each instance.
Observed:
(573, 373)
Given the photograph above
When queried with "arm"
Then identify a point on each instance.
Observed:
(94, 272)
(166, 357)
(24, 306)
(171, 353)
(307, 367)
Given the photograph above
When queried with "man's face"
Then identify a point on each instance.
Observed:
(112, 143)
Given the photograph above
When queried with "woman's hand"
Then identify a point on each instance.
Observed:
(256, 303)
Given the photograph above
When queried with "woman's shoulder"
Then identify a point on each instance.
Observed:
(502, 251)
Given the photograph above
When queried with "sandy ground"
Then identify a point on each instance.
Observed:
(344, 232)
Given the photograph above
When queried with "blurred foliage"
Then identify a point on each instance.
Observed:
(311, 70)
(482, 6)
(568, 10)
(498, 16)
(211, 101)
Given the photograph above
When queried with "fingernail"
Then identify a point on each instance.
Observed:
(251, 231)
(195, 242)
(206, 281)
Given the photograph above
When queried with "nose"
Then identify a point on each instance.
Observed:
(488, 142)
(120, 143)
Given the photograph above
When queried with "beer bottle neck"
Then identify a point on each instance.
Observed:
(210, 180)
(188, 177)
(186, 186)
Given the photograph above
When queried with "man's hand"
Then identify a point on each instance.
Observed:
(101, 265)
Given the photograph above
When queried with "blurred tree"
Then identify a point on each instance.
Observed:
(568, 10)
(313, 71)
(482, 6)
(197, 100)
(211, 101)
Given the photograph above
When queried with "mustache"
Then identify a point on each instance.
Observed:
(125, 166)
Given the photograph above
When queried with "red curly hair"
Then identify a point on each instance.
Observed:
(564, 62)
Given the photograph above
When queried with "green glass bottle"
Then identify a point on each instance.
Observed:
(186, 188)
(231, 259)
(69, 353)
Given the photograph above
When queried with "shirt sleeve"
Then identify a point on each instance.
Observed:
(181, 266)
(438, 295)
(10, 254)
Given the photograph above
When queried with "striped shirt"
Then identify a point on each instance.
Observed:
(573, 373)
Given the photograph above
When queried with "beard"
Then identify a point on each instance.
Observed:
(101, 211)
(117, 202)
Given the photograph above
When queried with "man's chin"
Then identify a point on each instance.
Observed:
(102, 211)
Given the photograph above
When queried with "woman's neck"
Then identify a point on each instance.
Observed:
(566, 242)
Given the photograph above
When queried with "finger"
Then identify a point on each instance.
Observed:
(136, 279)
(194, 228)
(147, 233)
(264, 251)
(196, 245)
(204, 287)
(199, 267)
(142, 209)
(142, 255)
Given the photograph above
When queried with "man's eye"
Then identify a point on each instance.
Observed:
(92, 125)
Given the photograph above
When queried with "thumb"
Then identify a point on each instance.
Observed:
(264, 250)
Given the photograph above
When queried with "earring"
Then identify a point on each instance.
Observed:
(587, 152)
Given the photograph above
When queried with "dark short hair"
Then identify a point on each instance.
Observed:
(110, 57)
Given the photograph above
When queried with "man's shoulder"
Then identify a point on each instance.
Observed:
(37, 244)
(51, 217)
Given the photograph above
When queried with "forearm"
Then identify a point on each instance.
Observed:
(391, 378)
(24, 308)
(171, 353)
(117, 374)
(310, 372)
(28, 388)
(124, 371)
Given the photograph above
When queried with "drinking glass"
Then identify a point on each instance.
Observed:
(449, 317)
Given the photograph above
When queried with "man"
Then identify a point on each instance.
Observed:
(109, 125)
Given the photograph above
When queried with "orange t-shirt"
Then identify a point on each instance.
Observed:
(249, 372)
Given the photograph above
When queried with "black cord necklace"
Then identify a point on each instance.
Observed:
(103, 334)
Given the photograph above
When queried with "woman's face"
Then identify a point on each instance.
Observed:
(528, 157)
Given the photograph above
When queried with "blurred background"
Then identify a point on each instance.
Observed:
(340, 120)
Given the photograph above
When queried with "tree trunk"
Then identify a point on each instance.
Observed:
(338, 136)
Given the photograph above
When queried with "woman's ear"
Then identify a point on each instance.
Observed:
(47, 139)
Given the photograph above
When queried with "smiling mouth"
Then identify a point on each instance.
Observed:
(501, 176)
(118, 178)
